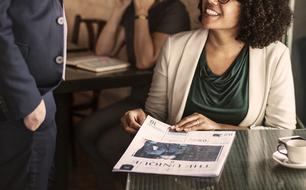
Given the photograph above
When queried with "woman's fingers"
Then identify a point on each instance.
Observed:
(200, 127)
(133, 123)
(142, 117)
(188, 122)
(188, 125)
(132, 120)
(130, 130)
(124, 122)
(194, 122)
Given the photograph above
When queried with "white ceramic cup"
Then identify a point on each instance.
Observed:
(296, 150)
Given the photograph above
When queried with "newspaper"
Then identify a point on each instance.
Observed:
(158, 150)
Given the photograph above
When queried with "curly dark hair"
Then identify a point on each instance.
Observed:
(262, 22)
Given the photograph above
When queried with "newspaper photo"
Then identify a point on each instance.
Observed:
(157, 149)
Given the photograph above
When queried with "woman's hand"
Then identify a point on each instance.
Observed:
(196, 122)
(142, 7)
(132, 120)
(121, 5)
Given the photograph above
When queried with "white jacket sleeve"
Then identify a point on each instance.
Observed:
(157, 101)
(280, 110)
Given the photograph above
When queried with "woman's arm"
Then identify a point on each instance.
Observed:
(157, 101)
(147, 47)
(112, 35)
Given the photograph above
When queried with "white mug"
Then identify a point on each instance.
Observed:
(296, 150)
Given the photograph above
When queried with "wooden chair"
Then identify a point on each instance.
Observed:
(94, 28)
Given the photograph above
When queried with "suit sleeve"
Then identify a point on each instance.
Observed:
(17, 86)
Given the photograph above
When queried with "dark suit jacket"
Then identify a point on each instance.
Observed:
(31, 53)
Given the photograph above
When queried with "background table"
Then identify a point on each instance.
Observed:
(249, 167)
(81, 80)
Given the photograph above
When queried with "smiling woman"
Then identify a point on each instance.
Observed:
(220, 17)
(236, 72)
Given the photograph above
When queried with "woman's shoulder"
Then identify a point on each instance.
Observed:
(276, 48)
(276, 55)
(272, 53)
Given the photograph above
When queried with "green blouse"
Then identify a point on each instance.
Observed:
(223, 99)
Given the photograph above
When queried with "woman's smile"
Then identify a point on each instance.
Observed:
(211, 12)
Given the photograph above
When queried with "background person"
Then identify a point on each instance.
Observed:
(143, 25)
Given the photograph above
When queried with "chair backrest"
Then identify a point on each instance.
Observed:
(93, 26)
(299, 123)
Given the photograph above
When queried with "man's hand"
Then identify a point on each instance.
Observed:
(35, 119)
(142, 7)
(132, 120)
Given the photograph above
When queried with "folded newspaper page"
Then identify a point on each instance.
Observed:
(158, 150)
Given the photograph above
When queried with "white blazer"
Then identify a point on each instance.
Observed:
(271, 89)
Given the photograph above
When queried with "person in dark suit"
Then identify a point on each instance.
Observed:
(32, 59)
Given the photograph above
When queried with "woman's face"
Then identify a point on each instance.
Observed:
(217, 16)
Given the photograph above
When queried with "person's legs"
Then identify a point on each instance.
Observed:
(111, 146)
(15, 151)
(25, 156)
(90, 130)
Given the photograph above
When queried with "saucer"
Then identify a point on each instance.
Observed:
(283, 160)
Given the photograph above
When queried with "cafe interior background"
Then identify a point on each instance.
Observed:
(101, 9)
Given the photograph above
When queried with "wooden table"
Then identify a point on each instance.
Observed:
(249, 167)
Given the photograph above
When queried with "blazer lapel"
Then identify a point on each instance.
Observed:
(257, 81)
(185, 72)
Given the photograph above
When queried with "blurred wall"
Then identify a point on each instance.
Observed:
(299, 57)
